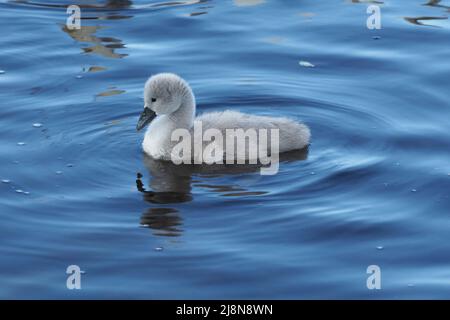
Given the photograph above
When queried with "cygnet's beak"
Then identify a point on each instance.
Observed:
(146, 117)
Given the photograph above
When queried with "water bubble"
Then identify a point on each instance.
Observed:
(413, 190)
(306, 64)
(411, 285)
(58, 172)
(2, 71)
(21, 143)
(69, 165)
(159, 249)
(380, 248)
(26, 192)
(312, 173)
(37, 125)
(6, 181)
(79, 77)
(19, 191)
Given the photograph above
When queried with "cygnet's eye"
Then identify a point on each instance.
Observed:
(153, 99)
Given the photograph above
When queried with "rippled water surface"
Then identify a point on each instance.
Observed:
(373, 188)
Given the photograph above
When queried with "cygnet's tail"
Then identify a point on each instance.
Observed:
(293, 135)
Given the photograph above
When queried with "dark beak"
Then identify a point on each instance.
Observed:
(146, 117)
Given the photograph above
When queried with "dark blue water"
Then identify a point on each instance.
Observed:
(373, 188)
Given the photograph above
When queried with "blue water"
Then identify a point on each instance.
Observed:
(373, 188)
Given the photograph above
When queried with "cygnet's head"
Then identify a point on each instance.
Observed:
(163, 94)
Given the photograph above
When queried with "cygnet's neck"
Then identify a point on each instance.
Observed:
(184, 116)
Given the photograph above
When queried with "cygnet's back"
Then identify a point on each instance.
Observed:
(292, 135)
